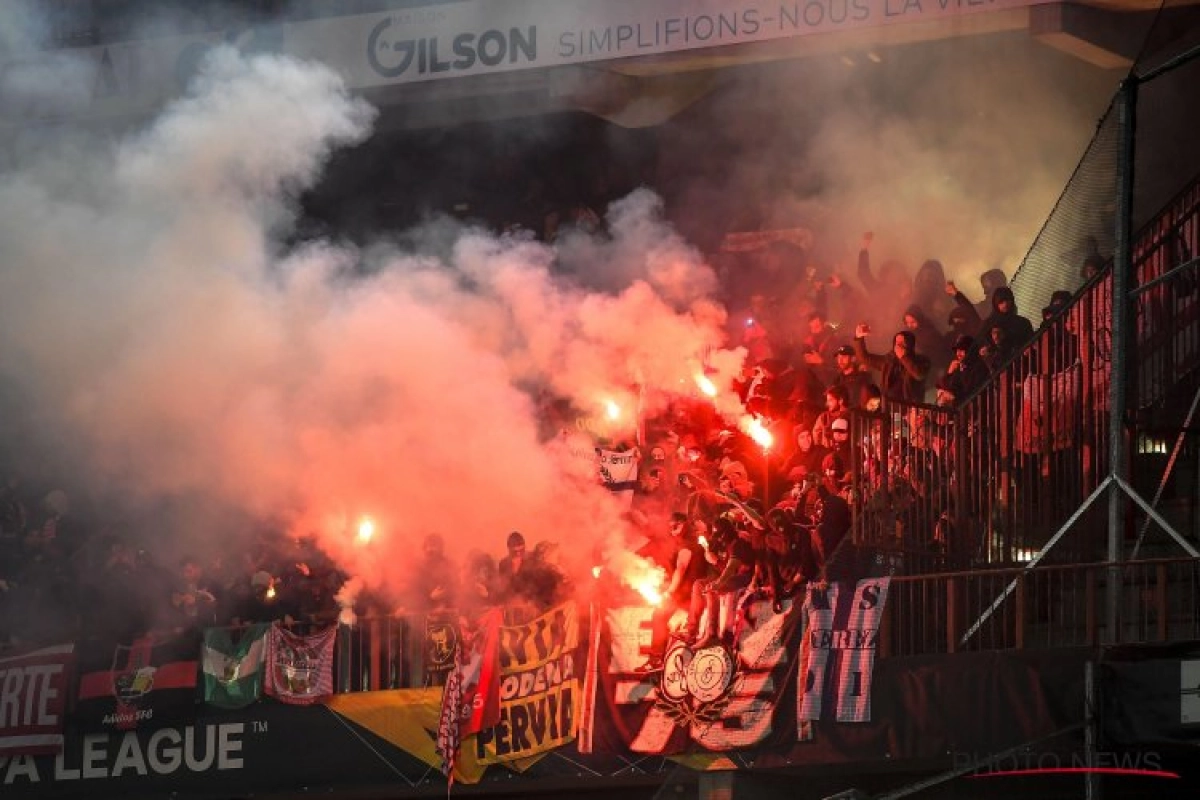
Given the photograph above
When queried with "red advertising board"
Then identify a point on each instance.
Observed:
(33, 698)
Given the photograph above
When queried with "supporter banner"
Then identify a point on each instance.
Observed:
(233, 671)
(539, 688)
(441, 642)
(33, 694)
(618, 470)
(927, 711)
(300, 668)
(714, 698)
(471, 697)
(838, 660)
(754, 241)
(148, 682)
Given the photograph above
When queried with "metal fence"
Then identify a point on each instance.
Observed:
(966, 611)
(992, 480)
(1167, 301)
(1051, 606)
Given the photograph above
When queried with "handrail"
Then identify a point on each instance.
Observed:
(1044, 606)
(1029, 445)
(1010, 571)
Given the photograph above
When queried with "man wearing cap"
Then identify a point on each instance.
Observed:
(839, 433)
(966, 371)
(850, 375)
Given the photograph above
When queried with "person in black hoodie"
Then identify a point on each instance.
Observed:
(930, 342)
(1017, 329)
(902, 371)
(966, 371)
(928, 292)
(990, 281)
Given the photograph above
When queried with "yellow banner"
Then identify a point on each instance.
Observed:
(539, 688)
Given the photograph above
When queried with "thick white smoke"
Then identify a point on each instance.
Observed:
(155, 321)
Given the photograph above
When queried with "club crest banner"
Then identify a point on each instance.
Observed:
(714, 698)
(233, 669)
(300, 668)
(441, 643)
(148, 682)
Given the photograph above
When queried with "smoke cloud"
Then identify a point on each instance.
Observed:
(200, 375)
(954, 150)
(196, 371)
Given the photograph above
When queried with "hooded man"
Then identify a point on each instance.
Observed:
(991, 280)
(1017, 329)
(966, 371)
(902, 371)
(929, 340)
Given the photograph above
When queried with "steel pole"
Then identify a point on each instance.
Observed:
(1118, 389)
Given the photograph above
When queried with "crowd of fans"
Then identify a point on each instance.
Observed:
(61, 581)
(724, 514)
(719, 512)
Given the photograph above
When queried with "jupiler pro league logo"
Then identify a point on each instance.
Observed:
(695, 686)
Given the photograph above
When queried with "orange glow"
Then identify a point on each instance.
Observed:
(596, 572)
(366, 529)
(612, 409)
(706, 385)
(271, 591)
(646, 579)
(758, 432)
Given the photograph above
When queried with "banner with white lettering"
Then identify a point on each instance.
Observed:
(33, 696)
(838, 659)
(539, 688)
(261, 750)
(708, 696)
(618, 471)
(300, 668)
(148, 682)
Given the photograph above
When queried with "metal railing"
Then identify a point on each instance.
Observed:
(1050, 606)
(1167, 301)
(990, 481)
(938, 614)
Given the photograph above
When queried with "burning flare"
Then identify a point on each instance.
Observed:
(758, 432)
(646, 579)
(366, 529)
(706, 385)
(612, 409)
